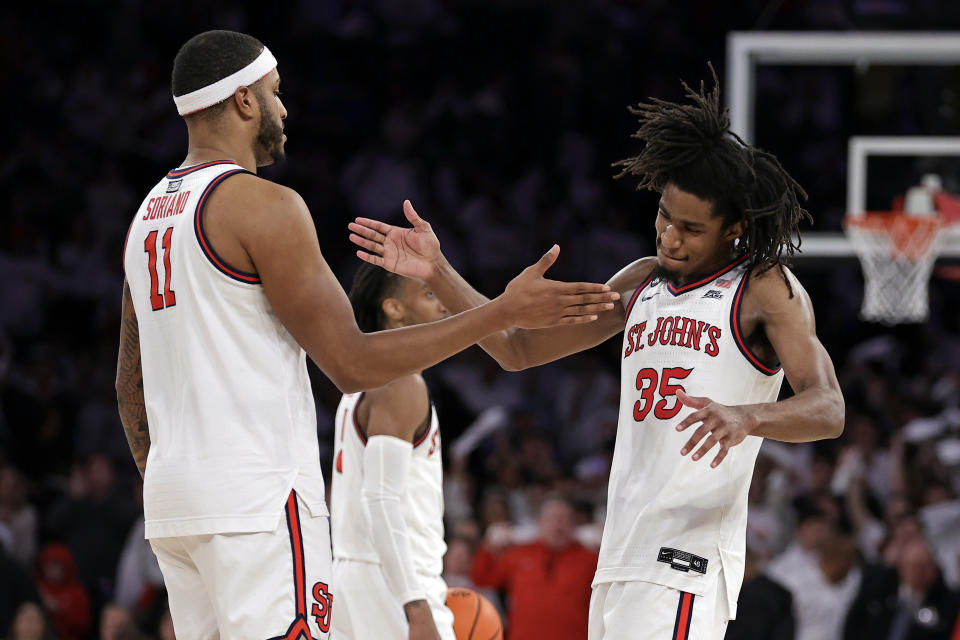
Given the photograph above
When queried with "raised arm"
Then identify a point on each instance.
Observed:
(391, 417)
(276, 231)
(814, 412)
(133, 412)
(416, 252)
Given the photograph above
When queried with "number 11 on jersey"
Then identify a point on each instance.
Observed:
(169, 296)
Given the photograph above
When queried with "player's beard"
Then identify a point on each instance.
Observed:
(269, 135)
(669, 275)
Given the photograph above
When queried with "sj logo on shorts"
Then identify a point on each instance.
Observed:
(323, 603)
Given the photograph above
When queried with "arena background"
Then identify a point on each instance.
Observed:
(500, 121)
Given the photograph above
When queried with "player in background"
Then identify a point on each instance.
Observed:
(225, 294)
(711, 324)
(387, 497)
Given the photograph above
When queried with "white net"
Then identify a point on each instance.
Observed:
(896, 252)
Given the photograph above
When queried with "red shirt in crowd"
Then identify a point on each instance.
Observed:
(548, 590)
(65, 599)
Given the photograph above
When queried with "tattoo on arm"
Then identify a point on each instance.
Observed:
(133, 412)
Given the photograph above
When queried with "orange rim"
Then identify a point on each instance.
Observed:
(911, 236)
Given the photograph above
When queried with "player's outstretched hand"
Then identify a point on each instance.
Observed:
(533, 302)
(411, 252)
(720, 424)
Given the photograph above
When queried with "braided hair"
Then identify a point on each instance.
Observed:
(691, 146)
(371, 286)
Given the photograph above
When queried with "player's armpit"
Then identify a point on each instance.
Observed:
(396, 409)
(129, 384)
(816, 411)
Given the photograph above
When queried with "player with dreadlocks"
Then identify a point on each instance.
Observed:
(710, 326)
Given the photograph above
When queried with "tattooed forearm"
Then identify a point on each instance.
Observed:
(133, 412)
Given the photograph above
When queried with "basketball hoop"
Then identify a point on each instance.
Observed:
(897, 251)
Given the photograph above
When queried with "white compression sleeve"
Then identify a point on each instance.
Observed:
(386, 463)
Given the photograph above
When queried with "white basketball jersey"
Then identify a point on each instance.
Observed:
(422, 503)
(229, 405)
(671, 520)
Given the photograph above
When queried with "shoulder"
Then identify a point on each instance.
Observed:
(250, 192)
(632, 275)
(262, 214)
(397, 408)
(408, 389)
(775, 289)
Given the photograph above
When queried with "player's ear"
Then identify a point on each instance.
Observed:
(246, 102)
(393, 309)
(735, 230)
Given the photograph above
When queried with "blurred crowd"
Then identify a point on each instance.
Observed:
(500, 122)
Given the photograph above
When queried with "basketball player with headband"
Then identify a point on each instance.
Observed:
(710, 326)
(225, 295)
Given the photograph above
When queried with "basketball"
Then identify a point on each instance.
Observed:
(474, 618)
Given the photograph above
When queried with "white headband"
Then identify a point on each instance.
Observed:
(224, 88)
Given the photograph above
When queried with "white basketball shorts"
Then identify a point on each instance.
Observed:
(368, 610)
(648, 611)
(273, 585)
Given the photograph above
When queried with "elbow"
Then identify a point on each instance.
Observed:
(836, 415)
(348, 383)
(349, 371)
(514, 359)
(512, 364)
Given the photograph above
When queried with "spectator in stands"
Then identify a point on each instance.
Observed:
(765, 609)
(30, 623)
(910, 602)
(93, 521)
(18, 516)
(547, 582)
(116, 623)
(65, 599)
(813, 526)
(822, 592)
(16, 588)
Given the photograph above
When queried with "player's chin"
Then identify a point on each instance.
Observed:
(667, 262)
(275, 156)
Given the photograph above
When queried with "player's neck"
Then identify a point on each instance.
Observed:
(204, 146)
(713, 267)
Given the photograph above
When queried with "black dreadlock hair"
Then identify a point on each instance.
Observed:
(691, 146)
(208, 57)
(371, 286)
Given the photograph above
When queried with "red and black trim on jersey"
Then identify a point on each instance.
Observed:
(636, 293)
(179, 173)
(425, 425)
(681, 628)
(299, 628)
(205, 246)
(738, 332)
(675, 290)
(356, 423)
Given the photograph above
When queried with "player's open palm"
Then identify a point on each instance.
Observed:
(533, 302)
(411, 252)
